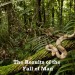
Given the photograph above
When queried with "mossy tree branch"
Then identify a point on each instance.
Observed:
(40, 55)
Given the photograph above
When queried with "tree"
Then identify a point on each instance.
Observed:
(38, 10)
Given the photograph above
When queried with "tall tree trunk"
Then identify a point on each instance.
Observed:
(70, 9)
(60, 2)
(61, 11)
(38, 10)
(24, 14)
(43, 12)
(13, 21)
(0, 17)
(14, 25)
(53, 16)
(74, 6)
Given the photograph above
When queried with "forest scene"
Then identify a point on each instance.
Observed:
(37, 37)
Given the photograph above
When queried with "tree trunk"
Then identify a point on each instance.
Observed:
(70, 9)
(53, 16)
(13, 22)
(61, 11)
(74, 6)
(38, 10)
(0, 17)
(43, 12)
(14, 25)
(24, 14)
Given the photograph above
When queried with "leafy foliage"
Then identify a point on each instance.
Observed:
(36, 23)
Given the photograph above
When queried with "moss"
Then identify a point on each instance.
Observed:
(41, 54)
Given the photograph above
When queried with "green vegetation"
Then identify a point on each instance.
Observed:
(27, 26)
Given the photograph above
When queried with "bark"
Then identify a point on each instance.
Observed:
(40, 55)
(13, 22)
(24, 14)
(53, 11)
(43, 12)
(38, 10)
(61, 11)
(53, 16)
(74, 6)
(70, 9)
(0, 17)
(60, 2)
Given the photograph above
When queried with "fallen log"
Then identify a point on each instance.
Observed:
(40, 55)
